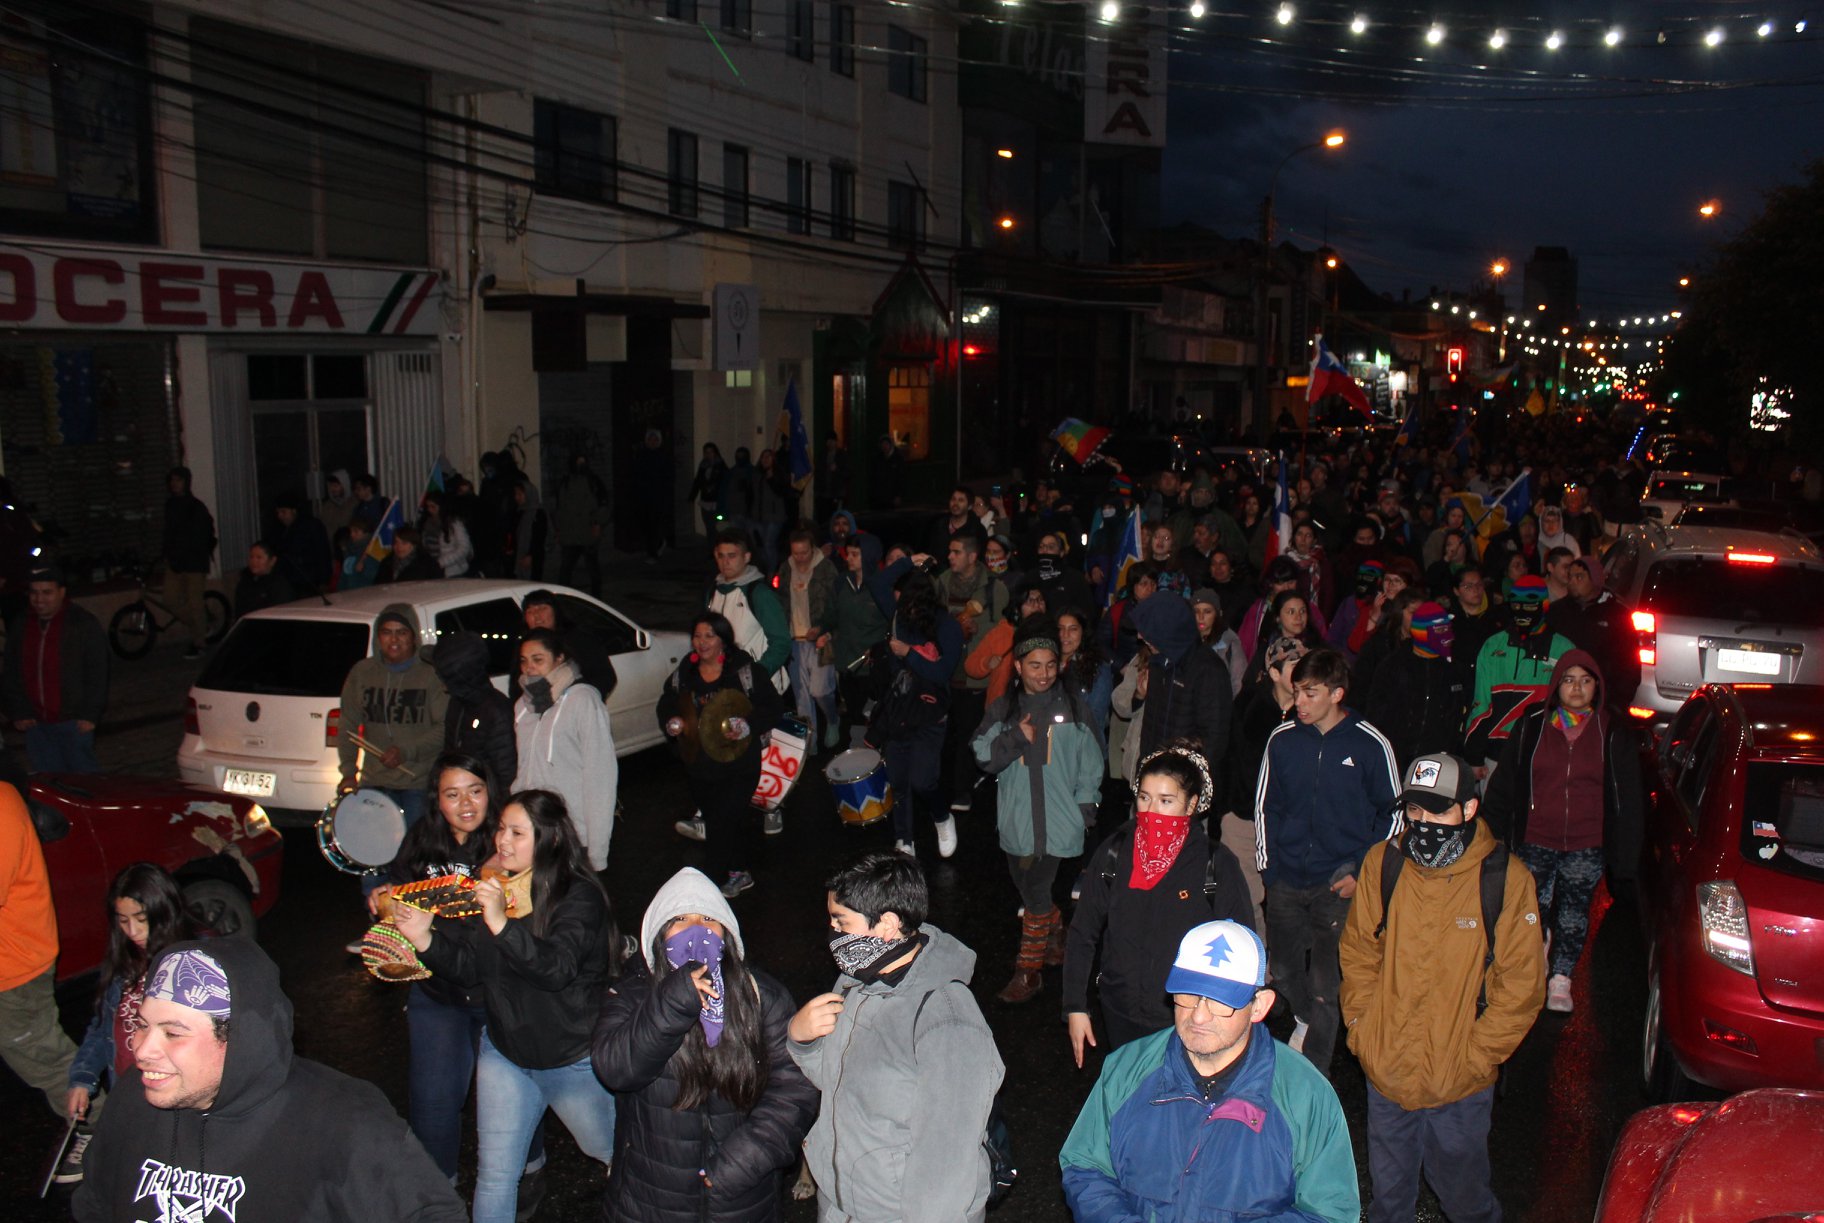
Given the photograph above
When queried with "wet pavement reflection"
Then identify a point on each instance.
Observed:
(1566, 1097)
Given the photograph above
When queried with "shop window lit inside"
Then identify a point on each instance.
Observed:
(738, 379)
(909, 408)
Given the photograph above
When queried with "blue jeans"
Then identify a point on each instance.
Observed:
(509, 1100)
(58, 747)
(444, 1040)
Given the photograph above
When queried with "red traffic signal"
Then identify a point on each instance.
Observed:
(1453, 362)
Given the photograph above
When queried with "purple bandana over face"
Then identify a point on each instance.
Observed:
(192, 979)
(703, 946)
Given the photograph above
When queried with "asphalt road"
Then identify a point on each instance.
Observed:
(1567, 1094)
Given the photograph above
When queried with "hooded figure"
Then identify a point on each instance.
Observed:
(338, 504)
(1513, 669)
(707, 1122)
(235, 1125)
(479, 717)
(393, 700)
(1418, 695)
(1189, 694)
(1568, 799)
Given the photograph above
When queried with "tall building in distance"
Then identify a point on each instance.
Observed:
(1551, 286)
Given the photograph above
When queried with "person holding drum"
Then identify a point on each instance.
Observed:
(393, 708)
(443, 1018)
(565, 742)
(718, 706)
(694, 1040)
(1041, 806)
(540, 974)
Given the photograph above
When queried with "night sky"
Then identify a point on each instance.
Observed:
(1460, 154)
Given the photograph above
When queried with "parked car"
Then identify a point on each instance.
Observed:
(1718, 605)
(1732, 892)
(1667, 492)
(222, 850)
(262, 718)
(1710, 1161)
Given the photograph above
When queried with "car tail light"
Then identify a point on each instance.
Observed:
(1645, 622)
(332, 728)
(1722, 916)
(192, 725)
(1641, 712)
(1751, 558)
(1648, 656)
(1646, 625)
(1741, 1042)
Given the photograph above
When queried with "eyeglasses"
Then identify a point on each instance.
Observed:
(1191, 1002)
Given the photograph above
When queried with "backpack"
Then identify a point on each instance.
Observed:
(1494, 891)
(1209, 867)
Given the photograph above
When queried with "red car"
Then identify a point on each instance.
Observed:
(1712, 1161)
(222, 851)
(1732, 892)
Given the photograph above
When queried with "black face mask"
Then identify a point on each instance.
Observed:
(1366, 586)
(1436, 845)
(1526, 618)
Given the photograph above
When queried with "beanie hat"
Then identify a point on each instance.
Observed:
(1529, 588)
(1206, 596)
(1431, 631)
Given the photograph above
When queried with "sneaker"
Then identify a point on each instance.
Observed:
(832, 735)
(1558, 994)
(774, 824)
(692, 828)
(962, 805)
(531, 1196)
(738, 882)
(69, 1168)
(1299, 1028)
(946, 837)
(905, 847)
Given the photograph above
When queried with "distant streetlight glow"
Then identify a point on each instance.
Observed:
(1005, 222)
(1498, 268)
(1498, 39)
(1435, 35)
(1360, 25)
(1110, 10)
(1004, 154)
(1709, 208)
(1284, 15)
(1714, 38)
(1335, 140)
(1554, 40)
(1764, 29)
(1196, 9)
(1613, 37)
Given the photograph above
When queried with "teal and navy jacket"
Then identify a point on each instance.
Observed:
(1149, 1148)
(1041, 805)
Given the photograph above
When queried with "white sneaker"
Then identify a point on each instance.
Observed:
(692, 828)
(946, 837)
(1297, 1041)
(1558, 994)
(774, 824)
(905, 847)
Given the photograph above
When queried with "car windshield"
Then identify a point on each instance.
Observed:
(1783, 818)
(1730, 516)
(286, 657)
(1685, 489)
(1735, 591)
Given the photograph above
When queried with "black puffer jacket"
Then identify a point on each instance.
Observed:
(479, 719)
(1419, 704)
(661, 1149)
(1188, 693)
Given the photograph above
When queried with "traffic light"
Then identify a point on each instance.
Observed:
(1453, 362)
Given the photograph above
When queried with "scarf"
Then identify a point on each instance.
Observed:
(862, 955)
(701, 945)
(1157, 840)
(1571, 721)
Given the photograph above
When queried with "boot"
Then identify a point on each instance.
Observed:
(1054, 940)
(1026, 981)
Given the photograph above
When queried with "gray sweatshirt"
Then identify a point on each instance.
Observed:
(906, 1096)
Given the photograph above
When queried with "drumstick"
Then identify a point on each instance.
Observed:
(355, 738)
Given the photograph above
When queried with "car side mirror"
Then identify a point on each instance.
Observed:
(49, 823)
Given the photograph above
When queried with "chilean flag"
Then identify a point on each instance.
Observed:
(1279, 537)
(1329, 377)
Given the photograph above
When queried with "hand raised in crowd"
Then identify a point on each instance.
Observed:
(815, 1019)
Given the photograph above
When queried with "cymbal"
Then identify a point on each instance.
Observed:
(712, 725)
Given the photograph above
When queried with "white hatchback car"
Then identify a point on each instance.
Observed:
(262, 717)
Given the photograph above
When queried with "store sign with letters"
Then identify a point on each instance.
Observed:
(122, 289)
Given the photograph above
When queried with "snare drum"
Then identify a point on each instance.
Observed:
(781, 759)
(858, 779)
(360, 832)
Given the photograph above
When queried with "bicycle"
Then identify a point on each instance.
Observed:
(134, 629)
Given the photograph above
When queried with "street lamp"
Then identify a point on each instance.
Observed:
(1333, 140)
(1709, 208)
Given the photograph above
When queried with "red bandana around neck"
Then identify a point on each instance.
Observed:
(1157, 840)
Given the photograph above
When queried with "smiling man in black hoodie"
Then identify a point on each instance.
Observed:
(220, 1121)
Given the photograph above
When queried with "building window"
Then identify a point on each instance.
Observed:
(797, 195)
(906, 54)
(802, 36)
(681, 10)
(735, 213)
(573, 151)
(842, 39)
(681, 173)
(909, 408)
(842, 202)
(738, 16)
(905, 217)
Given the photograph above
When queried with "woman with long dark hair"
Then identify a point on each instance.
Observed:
(540, 970)
(146, 914)
(445, 536)
(1085, 673)
(565, 741)
(721, 790)
(443, 1018)
(1289, 615)
(694, 1040)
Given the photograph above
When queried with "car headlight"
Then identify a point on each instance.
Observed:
(1722, 915)
(257, 820)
